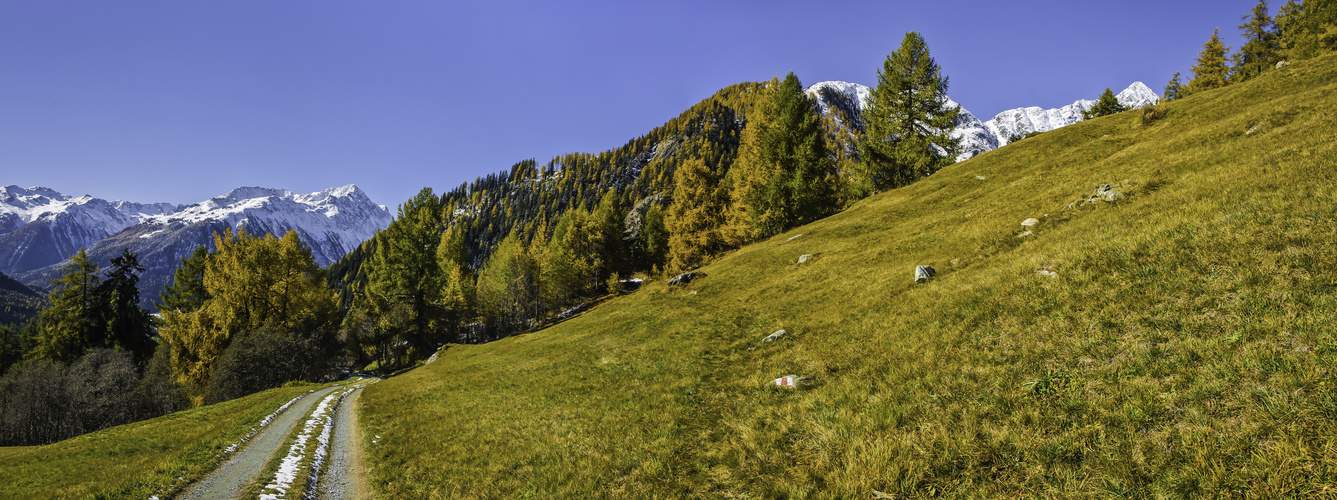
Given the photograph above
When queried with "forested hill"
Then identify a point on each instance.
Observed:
(18, 303)
(530, 195)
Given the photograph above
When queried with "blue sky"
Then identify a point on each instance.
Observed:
(179, 101)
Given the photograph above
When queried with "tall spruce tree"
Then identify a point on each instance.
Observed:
(459, 294)
(404, 270)
(186, 293)
(1211, 70)
(1106, 105)
(908, 123)
(782, 177)
(804, 189)
(571, 258)
(508, 286)
(654, 239)
(751, 171)
(608, 219)
(1261, 46)
(128, 325)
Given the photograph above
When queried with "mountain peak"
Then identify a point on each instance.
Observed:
(1138, 94)
(40, 228)
(250, 192)
(976, 136)
(344, 191)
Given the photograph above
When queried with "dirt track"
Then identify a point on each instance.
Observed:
(235, 475)
(345, 478)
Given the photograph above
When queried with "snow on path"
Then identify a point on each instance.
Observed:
(320, 424)
(231, 478)
(345, 478)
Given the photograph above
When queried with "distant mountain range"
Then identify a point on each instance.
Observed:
(848, 100)
(40, 228)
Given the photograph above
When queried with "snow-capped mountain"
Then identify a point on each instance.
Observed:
(332, 222)
(848, 100)
(1021, 121)
(40, 228)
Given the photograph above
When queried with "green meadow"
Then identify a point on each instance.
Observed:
(159, 456)
(1175, 342)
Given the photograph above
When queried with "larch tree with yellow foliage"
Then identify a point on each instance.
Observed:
(695, 217)
(256, 286)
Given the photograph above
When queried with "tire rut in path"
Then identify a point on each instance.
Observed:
(344, 478)
(233, 476)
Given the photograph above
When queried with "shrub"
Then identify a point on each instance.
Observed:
(100, 387)
(262, 360)
(614, 284)
(1152, 113)
(158, 393)
(32, 403)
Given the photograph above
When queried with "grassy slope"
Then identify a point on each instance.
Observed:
(1186, 347)
(136, 460)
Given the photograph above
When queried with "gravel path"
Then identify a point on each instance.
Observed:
(345, 479)
(231, 478)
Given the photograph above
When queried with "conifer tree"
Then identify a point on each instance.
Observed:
(128, 325)
(186, 293)
(404, 269)
(908, 123)
(654, 238)
(1174, 89)
(695, 216)
(1106, 105)
(783, 176)
(1307, 28)
(73, 323)
(609, 218)
(508, 286)
(751, 171)
(569, 257)
(459, 296)
(1260, 48)
(803, 188)
(1211, 70)
(1290, 29)
(254, 284)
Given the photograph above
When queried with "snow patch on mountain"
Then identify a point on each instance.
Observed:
(1021, 121)
(19, 206)
(41, 228)
(978, 136)
(331, 222)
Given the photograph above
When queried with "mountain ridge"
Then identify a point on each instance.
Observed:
(42, 227)
(977, 135)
